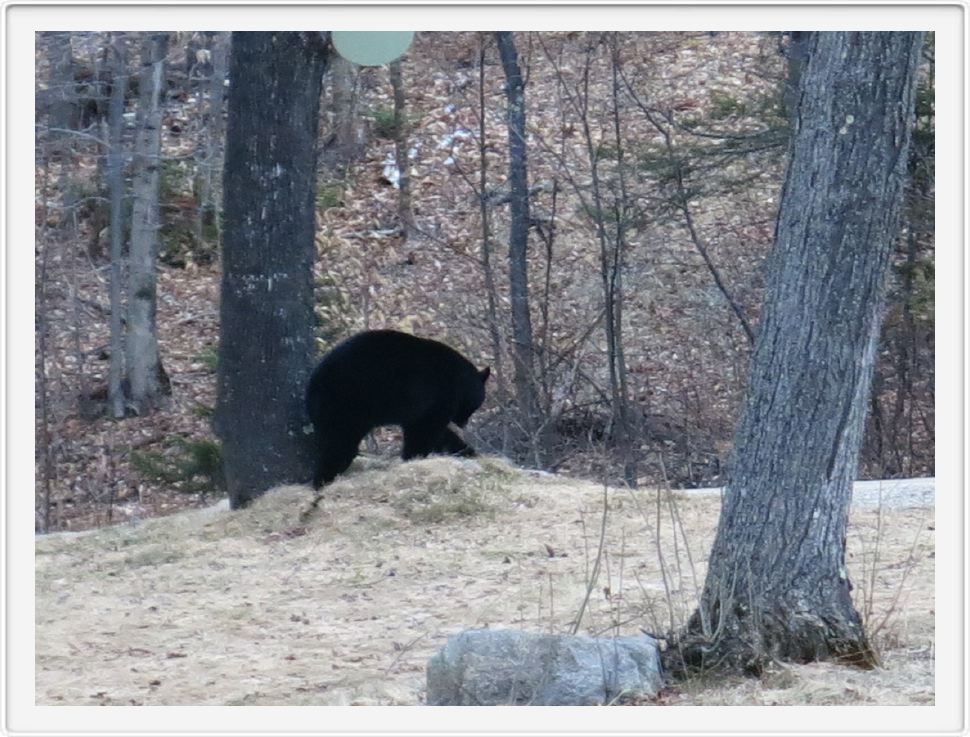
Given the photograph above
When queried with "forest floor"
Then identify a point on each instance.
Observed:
(262, 606)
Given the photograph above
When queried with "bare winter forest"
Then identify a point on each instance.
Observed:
(655, 166)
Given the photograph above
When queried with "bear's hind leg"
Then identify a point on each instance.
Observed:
(415, 445)
(420, 439)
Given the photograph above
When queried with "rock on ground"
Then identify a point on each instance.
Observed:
(512, 667)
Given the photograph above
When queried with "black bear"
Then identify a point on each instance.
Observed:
(383, 377)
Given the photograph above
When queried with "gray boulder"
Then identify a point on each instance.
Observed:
(512, 667)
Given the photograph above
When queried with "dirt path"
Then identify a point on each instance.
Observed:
(258, 607)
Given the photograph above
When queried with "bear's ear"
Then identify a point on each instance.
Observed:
(485, 373)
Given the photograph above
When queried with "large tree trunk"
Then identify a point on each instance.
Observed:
(141, 344)
(522, 354)
(777, 585)
(266, 312)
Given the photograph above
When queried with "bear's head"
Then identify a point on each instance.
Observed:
(472, 396)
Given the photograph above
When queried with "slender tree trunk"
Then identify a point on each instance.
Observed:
(210, 201)
(404, 211)
(611, 245)
(116, 187)
(142, 340)
(45, 460)
(345, 119)
(901, 448)
(681, 200)
(63, 108)
(266, 338)
(777, 585)
(491, 291)
(522, 353)
(64, 113)
(797, 53)
(628, 426)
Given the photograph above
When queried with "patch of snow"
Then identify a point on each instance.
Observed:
(891, 493)
(391, 171)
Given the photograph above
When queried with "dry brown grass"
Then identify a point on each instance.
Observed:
(257, 607)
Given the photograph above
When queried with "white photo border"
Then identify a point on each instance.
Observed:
(21, 20)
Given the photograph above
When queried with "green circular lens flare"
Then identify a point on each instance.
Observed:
(371, 48)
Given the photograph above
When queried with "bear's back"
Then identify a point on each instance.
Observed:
(390, 351)
(384, 377)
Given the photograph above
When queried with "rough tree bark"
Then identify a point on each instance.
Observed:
(405, 213)
(141, 341)
(266, 338)
(522, 354)
(344, 146)
(777, 585)
(797, 53)
(116, 186)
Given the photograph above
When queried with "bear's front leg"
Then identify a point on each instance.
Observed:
(451, 443)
